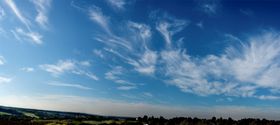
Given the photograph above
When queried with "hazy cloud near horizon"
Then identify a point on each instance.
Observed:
(128, 109)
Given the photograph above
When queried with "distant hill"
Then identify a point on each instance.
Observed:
(43, 114)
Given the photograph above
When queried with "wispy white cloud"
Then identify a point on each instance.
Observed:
(27, 69)
(98, 53)
(2, 60)
(75, 5)
(129, 44)
(142, 30)
(116, 75)
(247, 12)
(29, 35)
(114, 41)
(258, 61)
(200, 24)
(69, 66)
(60, 67)
(60, 84)
(16, 35)
(85, 73)
(110, 39)
(141, 34)
(96, 15)
(184, 73)
(33, 37)
(228, 99)
(2, 13)
(42, 8)
(146, 58)
(116, 53)
(168, 26)
(240, 71)
(232, 38)
(18, 13)
(269, 97)
(209, 7)
(126, 87)
(147, 94)
(5, 79)
(146, 64)
(85, 63)
(119, 4)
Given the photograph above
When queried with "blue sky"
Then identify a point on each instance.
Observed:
(198, 58)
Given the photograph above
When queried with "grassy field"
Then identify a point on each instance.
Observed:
(118, 122)
(32, 115)
(21, 116)
(83, 122)
(5, 113)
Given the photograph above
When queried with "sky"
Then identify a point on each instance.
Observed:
(191, 58)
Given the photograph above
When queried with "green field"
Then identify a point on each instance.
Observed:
(32, 115)
(84, 122)
(5, 113)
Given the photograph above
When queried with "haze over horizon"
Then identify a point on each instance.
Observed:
(190, 58)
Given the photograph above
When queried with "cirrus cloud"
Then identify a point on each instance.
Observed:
(69, 66)
(5, 79)
(2, 60)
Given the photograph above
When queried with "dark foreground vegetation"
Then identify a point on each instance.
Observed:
(20, 116)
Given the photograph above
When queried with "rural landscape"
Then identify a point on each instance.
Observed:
(21, 116)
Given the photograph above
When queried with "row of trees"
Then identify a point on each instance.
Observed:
(197, 121)
(23, 120)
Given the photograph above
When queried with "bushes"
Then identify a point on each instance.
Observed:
(213, 121)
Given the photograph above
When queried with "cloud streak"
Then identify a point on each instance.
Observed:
(5, 79)
(27, 69)
(142, 33)
(69, 66)
(2, 60)
(126, 87)
(169, 26)
(34, 37)
(2, 13)
(119, 4)
(18, 14)
(146, 64)
(96, 15)
(59, 68)
(29, 35)
(60, 84)
(209, 7)
(42, 8)
(116, 75)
